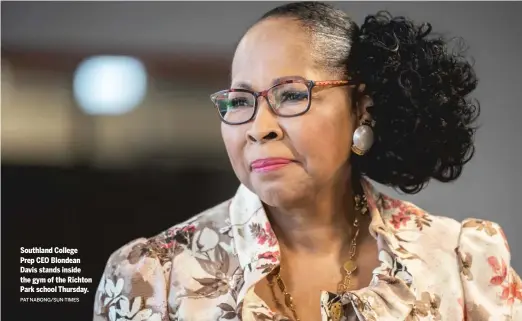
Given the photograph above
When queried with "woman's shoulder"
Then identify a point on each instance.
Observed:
(478, 248)
(408, 221)
(139, 271)
(164, 245)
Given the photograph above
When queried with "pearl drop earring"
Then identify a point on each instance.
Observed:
(363, 138)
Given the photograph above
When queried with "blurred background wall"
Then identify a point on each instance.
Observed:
(96, 181)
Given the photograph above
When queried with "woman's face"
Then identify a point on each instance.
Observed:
(316, 144)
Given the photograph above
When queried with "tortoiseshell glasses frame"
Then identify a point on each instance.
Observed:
(219, 96)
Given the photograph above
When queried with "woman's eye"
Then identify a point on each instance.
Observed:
(238, 102)
(290, 96)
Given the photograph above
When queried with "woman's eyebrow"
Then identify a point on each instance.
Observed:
(242, 85)
(285, 78)
(275, 81)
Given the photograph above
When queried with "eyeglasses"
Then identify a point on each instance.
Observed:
(289, 98)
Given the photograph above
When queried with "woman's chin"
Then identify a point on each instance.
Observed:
(282, 194)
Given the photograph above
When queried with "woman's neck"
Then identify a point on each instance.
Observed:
(322, 226)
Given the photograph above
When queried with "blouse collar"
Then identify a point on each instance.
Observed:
(258, 252)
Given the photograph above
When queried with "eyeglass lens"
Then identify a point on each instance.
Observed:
(285, 100)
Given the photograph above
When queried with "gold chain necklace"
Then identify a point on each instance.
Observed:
(349, 267)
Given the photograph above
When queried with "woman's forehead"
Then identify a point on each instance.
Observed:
(274, 39)
(268, 53)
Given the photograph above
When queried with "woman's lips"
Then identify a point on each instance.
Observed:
(269, 164)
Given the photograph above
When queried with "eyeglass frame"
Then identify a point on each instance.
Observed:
(310, 84)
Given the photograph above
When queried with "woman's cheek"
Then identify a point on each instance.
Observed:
(234, 140)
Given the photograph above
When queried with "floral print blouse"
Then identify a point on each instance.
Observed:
(205, 269)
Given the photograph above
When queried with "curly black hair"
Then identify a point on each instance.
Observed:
(424, 119)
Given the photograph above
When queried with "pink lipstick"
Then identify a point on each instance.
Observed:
(269, 164)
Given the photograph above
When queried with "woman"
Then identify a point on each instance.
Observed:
(317, 106)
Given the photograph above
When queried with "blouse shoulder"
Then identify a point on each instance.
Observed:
(136, 278)
(133, 284)
(492, 288)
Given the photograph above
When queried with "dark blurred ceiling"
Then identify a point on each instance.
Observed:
(145, 26)
(213, 27)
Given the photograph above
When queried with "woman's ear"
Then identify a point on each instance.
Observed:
(363, 102)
